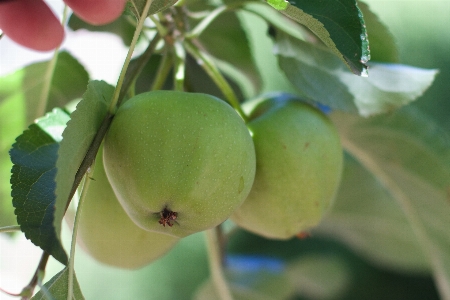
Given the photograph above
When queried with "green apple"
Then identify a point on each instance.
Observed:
(107, 233)
(179, 162)
(298, 168)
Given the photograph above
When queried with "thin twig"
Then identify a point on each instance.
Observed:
(12, 228)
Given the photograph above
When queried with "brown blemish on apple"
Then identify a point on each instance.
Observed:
(303, 235)
(167, 217)
(306, 145)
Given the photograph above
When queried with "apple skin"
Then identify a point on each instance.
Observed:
(107, 233)
(299, 161)
(179, 162)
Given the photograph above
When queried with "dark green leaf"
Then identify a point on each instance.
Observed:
(320, 76)
(410, 157)
(382, 43)
(226, 40)
(57, 286)
(68, 82)
(34, 157)
(77, 137)
(137, 6)
(121, 27)
(338, 23)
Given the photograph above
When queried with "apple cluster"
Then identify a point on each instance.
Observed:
(176, 163)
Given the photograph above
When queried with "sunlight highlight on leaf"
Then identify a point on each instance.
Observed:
(320, 76)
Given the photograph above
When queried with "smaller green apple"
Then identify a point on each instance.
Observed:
(107, 233)
(298, 168)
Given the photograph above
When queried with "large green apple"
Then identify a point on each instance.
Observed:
(179, 162)
(298, 168)
(107, 233)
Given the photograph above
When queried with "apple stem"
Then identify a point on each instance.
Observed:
(215, 265)
(136, 69)
(211, 69)
(137, 32)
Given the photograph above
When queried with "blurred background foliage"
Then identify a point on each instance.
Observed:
(421, 30)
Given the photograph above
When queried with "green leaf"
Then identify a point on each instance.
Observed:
(227, 41)
(320, 76)
(57, 286)
(382, 43)
(137, 6)
(34, 157)
(367, 218)
(410, 158)
(68, 82)
(121, 27)
(338, 23)
(77, 138)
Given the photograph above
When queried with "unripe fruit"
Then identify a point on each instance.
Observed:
(107, 233)
(298, 168)
(179, 162)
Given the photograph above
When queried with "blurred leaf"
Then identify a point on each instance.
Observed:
(146, 78)
(68, 82)
(199, 82)
(251, 278)
(320, 76)
(77, 137)
(338, 23)
(34, 157)
(363, 279)
(121, 27)
(410, 158)
(318, 276)
(137, 6)
(12, 123)
(382, 43)
(368, 219)
(57, 286)
(227, 41)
